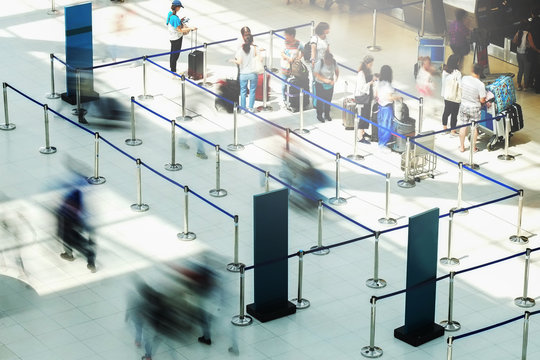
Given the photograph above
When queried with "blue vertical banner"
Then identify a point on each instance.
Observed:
(79, 51)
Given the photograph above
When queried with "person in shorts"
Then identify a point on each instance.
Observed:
(473, 95)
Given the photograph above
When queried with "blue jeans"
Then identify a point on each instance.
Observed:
(284, 85)
(244, 78)
(385, 120)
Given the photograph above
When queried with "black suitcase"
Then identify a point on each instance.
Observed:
(516, 117)
(195, 62)
(293, 94)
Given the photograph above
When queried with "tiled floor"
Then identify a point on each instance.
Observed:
(60, 310)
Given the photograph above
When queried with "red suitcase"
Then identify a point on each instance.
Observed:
(259, 91)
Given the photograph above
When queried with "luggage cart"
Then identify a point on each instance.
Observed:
(422, 162)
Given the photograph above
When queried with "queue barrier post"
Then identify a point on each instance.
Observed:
(423, 18)
(78, 111)
(144, 95)
(299, 301)
(218, 191)
(186, 235)
(53, 94)
(337, 200)
(271, 46)
(183, 117)
(375, 282)
(373, 46)
(236, 265)
(450, 324)
(525, 301)
(472, 149)
(133, 141)
(525, 335)
(235, 146)
(267, 181)
(205, 67)
(265, 106)
(312, 28)
(287, 138)
(96, 179)
(519, 238)
(387, 220)
(242, 319)
(506, 156)
(139, 206)
(407, 182)
(47, 149)
(320, 249)
(301, 130)
(449, 343)
(355, 155)
(53, 10)
(420, 114)
(372, 351)
(449, 260)
(7, 125)
(460, 192)
(173, 165)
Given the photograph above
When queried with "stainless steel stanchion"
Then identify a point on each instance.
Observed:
(525, 335)
(354, 155)
(320, 249)
(47, 149)
(7, 125)
(267, 181)
(423, 19)
(235, 265)
(173, 165)
(52, 94)
(186, 235)
(472, 149)
(387, 220)
(235, 146)
(337, 200)
(53, 10)
(205, 67)
(373, 46)
(449, 343)
(312, 28)
(375, 282)
(301, 130)
(144, 95)
(133, 141)
(79, 111)
(451, 325)
(407, 182)
(218, 191)
(420, 114)
(139, 206)
(525, 301)
(505, 156)
(372, 351)
(299, 301)
(265, 106)
(287, 139)
(96, 179)
(519, 238)
(183, 117)
(448, 260)
(272, 68)
(460, 191)
(242, 319)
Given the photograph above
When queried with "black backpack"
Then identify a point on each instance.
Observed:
(307, 50)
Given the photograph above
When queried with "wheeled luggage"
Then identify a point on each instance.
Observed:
(516, 117)
(195, 62)
(259, 91)
(504, 93)
(348, 117)
(292, 94)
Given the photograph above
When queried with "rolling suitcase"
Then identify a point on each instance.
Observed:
(292, 95)
(195, 62)
(259, 91)
(346, 116)
(516, 117)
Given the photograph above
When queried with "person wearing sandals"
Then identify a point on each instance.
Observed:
(363, 94)
(451, 92)
(473, 95)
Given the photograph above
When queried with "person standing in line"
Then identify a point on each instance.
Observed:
(451, 93)
(473, 95)
(385, 95)
(177, 29)
(292, 51)
(363, 94)
(319, 42)
(459, 36)
(534, 42)
(524, 65)
(326, 73)
(246, 58)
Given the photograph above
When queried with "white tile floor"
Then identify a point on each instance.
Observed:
(68, 313)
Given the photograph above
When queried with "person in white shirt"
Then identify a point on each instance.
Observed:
(245, 58)
(385, 95)
(319, 42)
(363, 94)
(451, 92)
(326, 74)
(473, 95)
(524, 65)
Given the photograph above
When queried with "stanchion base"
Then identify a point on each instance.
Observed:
(52, 96)
(407, 184)
(76, 111)
(264, 108)
(173, 167)
(301, 131)
(388, 221)
(371, 352)
(524, 302)
(145, 97)
(337, 201)
(186, 236)
(234, 147)
(53, 12)
(473, 166)
(184, 118)
(374, 48)
(355, 157)
(133, 142)
(241, 320)
(7, 127)
(450, 326)
(140, 207)
(232, 267)
(464, 212)
(520, 240)
(96, 180)
(506, 157)
(320, 250)
(375, 283)
(47, 150)
(218, 192)
(300, 304)
(449, 261)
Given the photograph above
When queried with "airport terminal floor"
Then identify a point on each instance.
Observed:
(51, 308)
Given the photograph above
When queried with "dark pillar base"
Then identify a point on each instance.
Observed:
(419, 337)
(72, 100)
(263, 316)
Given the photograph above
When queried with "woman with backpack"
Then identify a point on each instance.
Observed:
(451, 92)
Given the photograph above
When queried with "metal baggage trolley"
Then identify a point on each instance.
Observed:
(422, 163)
(434, 47)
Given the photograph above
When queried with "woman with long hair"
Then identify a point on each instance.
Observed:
(246, 58)
(385, 94)
(363, 95)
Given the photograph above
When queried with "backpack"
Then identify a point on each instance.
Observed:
(307, 50)
(298, 69)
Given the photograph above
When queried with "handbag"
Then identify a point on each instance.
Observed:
(452, 89)
(363, 99)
